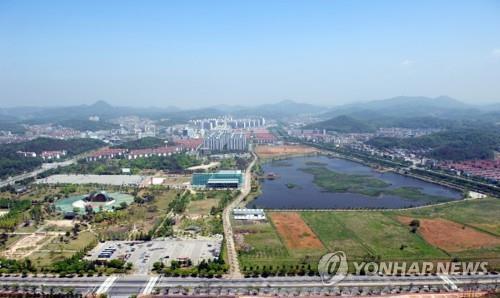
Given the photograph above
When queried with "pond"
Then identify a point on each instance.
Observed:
(333, 183)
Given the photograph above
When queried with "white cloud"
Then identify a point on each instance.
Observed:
(407, 63)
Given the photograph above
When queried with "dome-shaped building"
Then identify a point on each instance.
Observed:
(100, 197)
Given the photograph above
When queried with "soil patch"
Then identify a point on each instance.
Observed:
(451, 236)
(294, 231)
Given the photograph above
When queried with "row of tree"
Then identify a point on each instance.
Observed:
(210, 268)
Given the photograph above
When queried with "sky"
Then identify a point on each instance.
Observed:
(203, 53)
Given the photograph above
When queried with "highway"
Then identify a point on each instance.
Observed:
(127, 285)
(34, 173)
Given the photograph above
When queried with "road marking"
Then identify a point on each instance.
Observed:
(449, 282)
(149, 287)
(106, 285)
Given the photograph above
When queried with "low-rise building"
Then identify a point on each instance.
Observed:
(106, 153)
(221, 179)
(249, 214)
(148, 152)
(48, 155)
(26, 153)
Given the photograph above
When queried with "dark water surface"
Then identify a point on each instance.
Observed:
(305, 194)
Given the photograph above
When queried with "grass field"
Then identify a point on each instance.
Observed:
(140, 218)
(483, 214)
(370, 233)
(366, 235)
(83, 239)
(258, 244)
(47, 258)
(201, 207)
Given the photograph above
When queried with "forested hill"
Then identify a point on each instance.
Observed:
(147, 142)
(12, 164)
(344, 124)
(453, 144)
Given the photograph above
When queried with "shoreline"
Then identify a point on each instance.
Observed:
(379, 170)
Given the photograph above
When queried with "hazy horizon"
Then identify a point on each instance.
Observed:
(249, 105)
(199, 54)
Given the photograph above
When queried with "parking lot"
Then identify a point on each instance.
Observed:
(144, 254)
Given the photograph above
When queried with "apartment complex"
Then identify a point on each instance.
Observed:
(220, 141)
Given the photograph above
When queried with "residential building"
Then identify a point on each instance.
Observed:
(220, 141)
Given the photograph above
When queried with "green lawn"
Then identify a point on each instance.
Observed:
(83, 239)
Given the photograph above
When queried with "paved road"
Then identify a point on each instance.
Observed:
(125, 286)
(34, 173)
(232, 255)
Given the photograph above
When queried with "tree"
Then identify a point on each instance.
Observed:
(414, 225)
(123, 205)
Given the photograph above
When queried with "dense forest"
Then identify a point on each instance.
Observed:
(363, 121)
(343, 124)
(453, 144)
(12, 164)
(147, 142)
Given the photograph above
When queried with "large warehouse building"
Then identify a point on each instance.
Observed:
(220, 179)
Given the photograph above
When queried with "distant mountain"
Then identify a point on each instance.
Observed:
(407, 106)
(81, 112)
(343, 124)
(282, 109)
(105, 111)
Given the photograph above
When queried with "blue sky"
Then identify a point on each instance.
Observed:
(189, 53)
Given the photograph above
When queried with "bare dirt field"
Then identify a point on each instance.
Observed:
(451, 236)
(294, 231)
(284, 150)
(63, 223)
(27, 245)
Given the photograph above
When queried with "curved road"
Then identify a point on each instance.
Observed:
(232, 255)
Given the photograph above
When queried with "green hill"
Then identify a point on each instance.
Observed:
(343, 123)
(147, 142)
(453, 144)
